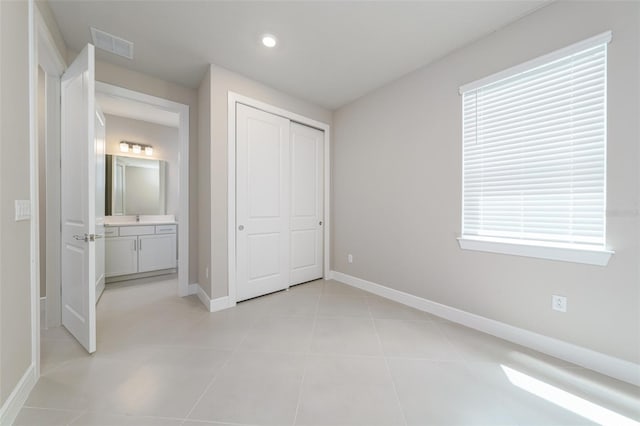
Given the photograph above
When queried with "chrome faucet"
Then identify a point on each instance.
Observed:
(137, 218)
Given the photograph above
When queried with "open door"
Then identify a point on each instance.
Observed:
(78, 206)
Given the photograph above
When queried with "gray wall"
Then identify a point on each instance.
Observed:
(118, 76)
(397, 189)
(222, 81)
(15, 304)
(166, 146)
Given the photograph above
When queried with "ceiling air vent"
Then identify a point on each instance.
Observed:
(112, 44)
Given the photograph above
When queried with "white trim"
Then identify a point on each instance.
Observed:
(220, 304)
(233, 99)
(605, 37)
(597, 361)
(213, 305)
(18, 396)
(53, 65)
(34, 257)
(562, 252)
(49, 57)
(204, 298)
(183, 136)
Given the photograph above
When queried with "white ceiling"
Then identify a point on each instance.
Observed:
(329, 53)
(136, 110)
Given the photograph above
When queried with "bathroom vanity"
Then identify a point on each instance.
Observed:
(140, 239)
(141, 248)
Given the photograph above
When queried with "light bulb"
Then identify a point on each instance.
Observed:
(148, 150)
(124, 147)
(136, 149)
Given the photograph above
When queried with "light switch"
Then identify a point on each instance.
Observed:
(23, 210)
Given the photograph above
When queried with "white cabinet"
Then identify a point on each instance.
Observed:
(121, 256)
(140, 248)
(156, 252)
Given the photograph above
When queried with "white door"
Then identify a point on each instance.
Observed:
(101, 169)
(262, 202)
(307, 203)
(78, 180)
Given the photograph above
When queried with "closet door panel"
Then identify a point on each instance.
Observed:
(262, 202)
(307, 194)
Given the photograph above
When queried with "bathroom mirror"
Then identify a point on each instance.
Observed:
(135, 186)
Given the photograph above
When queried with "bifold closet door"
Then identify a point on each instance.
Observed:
(307, 203)
(262, 202)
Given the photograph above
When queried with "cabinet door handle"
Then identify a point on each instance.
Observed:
(140, 244)
(135, 247)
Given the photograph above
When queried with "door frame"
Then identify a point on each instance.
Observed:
(183, 161)
(236, 98)
(44, 53)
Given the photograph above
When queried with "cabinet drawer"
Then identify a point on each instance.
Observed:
(111, 232)
(137, 230)
(165, 229)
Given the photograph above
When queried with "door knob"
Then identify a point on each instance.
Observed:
(241, 228)
(84, 237)
(320, 223)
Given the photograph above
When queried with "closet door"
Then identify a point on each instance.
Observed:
(307, 196)
(262, 202)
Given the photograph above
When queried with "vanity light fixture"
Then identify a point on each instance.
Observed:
(136, 148)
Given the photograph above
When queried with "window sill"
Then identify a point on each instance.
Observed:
(562, 252)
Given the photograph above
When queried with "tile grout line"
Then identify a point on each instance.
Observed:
(76, 418)
(306, 364)
(386, 363)
(215, 376)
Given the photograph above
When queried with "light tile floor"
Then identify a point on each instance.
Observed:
(321, 353)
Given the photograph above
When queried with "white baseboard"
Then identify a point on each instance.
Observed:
(219, 304)
(204, 297)
(213, 305)
(597, 361)
(9, 411)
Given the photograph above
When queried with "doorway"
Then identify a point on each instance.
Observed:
(52, 193)
(278, 192)
(127, 104)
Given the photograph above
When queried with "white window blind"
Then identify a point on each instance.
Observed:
(534, 151)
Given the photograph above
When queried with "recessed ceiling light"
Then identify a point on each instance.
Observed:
(268, 40)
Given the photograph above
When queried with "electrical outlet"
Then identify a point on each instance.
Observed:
(350, 258)
(559, 303)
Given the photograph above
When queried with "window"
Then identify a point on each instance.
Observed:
(534, 157)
